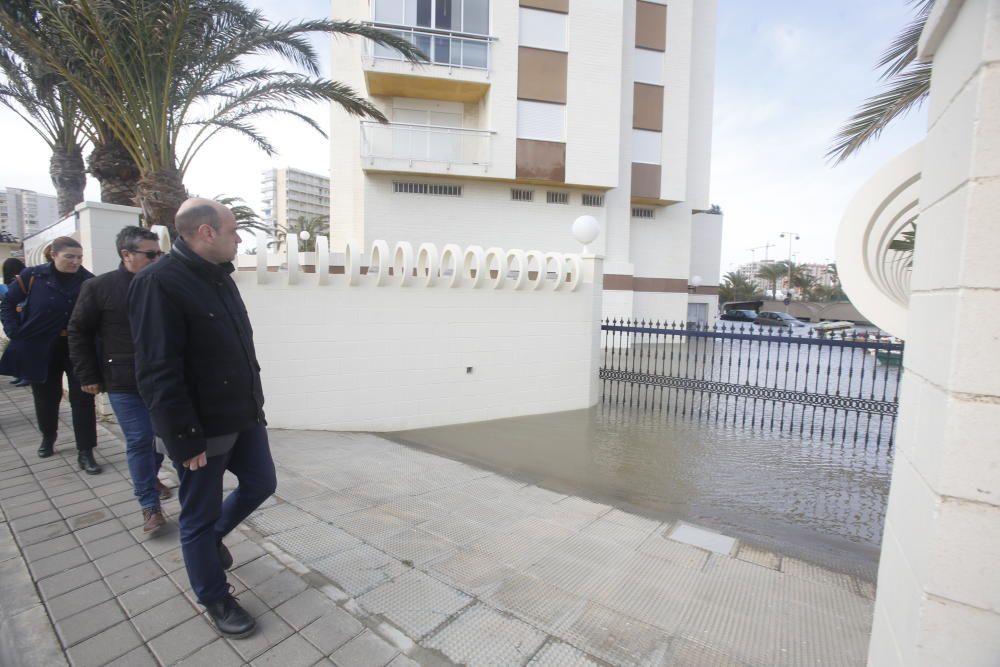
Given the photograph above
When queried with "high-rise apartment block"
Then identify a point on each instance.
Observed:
(528, 115)
(24, 212)
(288, 194)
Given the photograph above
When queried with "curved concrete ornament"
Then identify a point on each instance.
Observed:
(428, 264)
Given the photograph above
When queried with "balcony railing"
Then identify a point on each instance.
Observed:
(425, 143)
(442, 47)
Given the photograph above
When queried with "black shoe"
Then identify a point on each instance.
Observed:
(225, 557)
(46, 448)
(20, 383)
(87, 463)
(231, 620)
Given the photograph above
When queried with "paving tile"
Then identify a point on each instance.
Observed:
(50, 547)
(25, 499)
(164, 616)
(77, 600)
(360, 569)
(172, 560)
(27, 509)
(131, 577)
(559, 654)
(281, 587)
(216, 654)
(119, 560)
(42, 533)
(109, 545)
(105, 647)
(365, 650)
(66, 581)
(616, 638)
(60, 562)
(84, 507)
(403, 661)
(258, 570)
(149, 595)
(414, 546)
(332, 630)
(244, 552)
(89, 622)
(536, 602)
(483, 636)
(414, 602)
(138, 657)
(91, 518)
(99, 531)
(271, 631)
(309, 543)
(293, 652)
(183, 640)
(305, 608)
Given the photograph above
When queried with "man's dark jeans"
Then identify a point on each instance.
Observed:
(206, 518)
(140, 446)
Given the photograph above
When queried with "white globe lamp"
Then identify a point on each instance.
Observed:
(304, 235)
(586, 229)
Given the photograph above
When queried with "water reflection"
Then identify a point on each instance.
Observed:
(820, 501)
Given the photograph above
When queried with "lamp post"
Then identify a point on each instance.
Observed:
(792, 236)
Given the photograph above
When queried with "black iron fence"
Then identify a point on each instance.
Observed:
(833, 385)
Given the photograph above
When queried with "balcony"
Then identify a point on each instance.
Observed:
(458, 67)
(429, 149)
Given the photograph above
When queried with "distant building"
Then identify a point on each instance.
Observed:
(289, 194)
(24, 212)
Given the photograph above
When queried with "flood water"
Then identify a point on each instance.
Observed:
(813, 499)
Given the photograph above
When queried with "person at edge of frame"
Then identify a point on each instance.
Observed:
(197, 371)
(39, 352)
(100, 347)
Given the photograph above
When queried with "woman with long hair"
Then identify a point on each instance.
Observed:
(35, 315)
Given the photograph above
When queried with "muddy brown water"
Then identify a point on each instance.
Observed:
(820, 501)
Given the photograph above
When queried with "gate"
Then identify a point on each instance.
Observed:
(839, 386)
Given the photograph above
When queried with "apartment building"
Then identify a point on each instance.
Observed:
(528, 115)
(24, 212)
(288, 194)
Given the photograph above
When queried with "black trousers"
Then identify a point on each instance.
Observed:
(48, 395)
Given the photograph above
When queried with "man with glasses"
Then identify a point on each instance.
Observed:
(101, 349)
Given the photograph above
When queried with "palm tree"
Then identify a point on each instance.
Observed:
(908, 83)
(318, 225)
(152, 70)
(246, 218)
(735, 287)
(40, 97)
(906, 242)
(772, 273)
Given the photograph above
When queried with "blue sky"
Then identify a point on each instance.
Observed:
(788, 73)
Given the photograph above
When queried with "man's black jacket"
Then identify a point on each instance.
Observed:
(194, 355)
(101, 314)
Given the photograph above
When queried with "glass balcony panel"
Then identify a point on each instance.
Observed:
(442, 49)
(426, 143)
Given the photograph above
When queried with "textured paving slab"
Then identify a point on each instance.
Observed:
(375, 554)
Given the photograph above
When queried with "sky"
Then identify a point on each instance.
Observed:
(788, 74)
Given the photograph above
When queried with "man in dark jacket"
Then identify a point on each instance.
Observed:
(198, 374)
(100, 346)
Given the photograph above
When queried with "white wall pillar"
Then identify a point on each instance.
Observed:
(938, 597)
(99, 224)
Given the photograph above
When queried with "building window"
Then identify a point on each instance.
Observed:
(645, 212)
(648, 66)
(519, 194)
(542, 30)
(589, 199)
(541, 121)
(427, 189)
(556, 197)
(471, 16)
(646, 146)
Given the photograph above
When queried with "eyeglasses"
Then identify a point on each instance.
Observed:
(150, 254)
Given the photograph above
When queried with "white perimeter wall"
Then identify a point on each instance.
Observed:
(365, 357)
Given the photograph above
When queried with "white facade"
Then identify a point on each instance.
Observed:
(25, 212)
(289, 194)
(481, 151)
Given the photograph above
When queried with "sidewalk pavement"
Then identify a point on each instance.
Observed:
(375, 554)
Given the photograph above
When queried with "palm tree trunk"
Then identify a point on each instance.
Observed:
(112, 165)
(68, 176)
(160, 194)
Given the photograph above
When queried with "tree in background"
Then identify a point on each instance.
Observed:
(152, 70)
(246, 218)
(315, 226)
(771, 274)
(735, 287)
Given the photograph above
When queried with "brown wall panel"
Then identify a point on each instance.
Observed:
(541, 75)
(542, 160)
(617, 281)
(561, 6)
(646, 180)
(650, 26)
(647, 108)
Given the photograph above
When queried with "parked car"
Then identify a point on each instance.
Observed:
(737, 315)
(777, 319)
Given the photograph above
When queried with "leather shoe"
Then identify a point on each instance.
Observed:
(225, 557)
(152, 520)
(20, 383)
(164, 490)
(46, 448)
(87, 463)
(230, 619)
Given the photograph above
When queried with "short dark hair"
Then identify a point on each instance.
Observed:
(11, 267)
(128, 238)
(188, 222)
